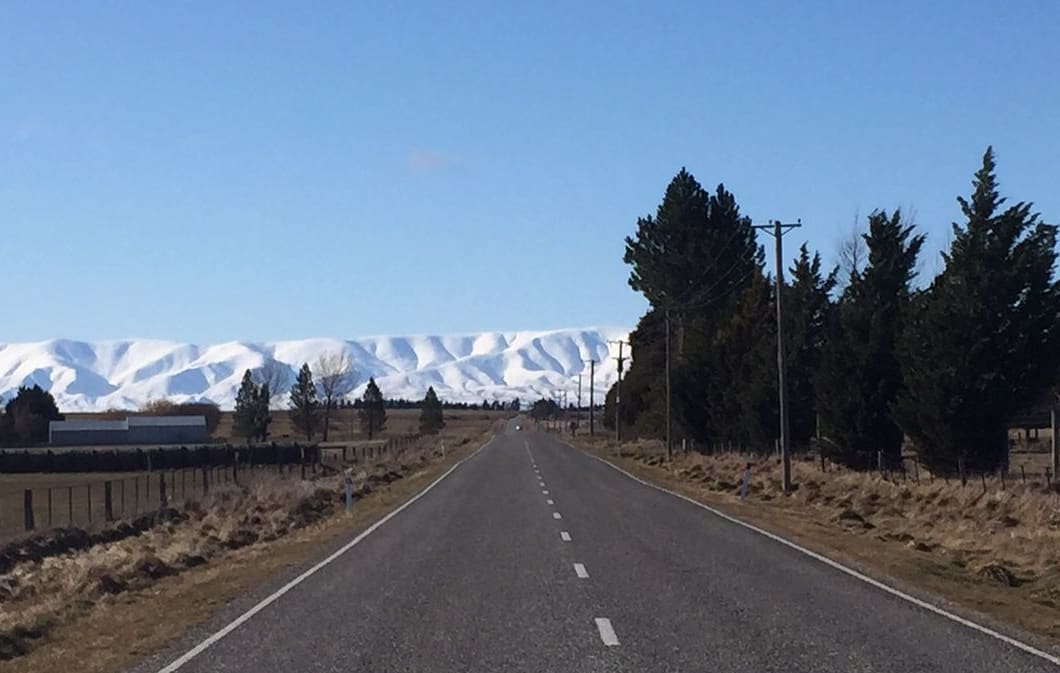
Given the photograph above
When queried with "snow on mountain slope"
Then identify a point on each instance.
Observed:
(93, 376)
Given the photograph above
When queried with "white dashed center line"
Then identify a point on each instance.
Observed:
(565, 536)
(549, 502)
(544, 492)
(580, 571)
(607, 632)
(542, 484)
(555, 515)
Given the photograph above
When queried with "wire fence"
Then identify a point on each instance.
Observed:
(1024, 463)
(94, 503)
(31, 502)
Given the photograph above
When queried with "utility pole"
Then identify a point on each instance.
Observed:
(578, 416)
(618, 389)
(778, 231)
(592, 403)
(669, 444)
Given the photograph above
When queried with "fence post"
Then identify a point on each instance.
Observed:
(347, 481)
(27, 508)
(147, 497)
(161, 490)
(205, 481)
(108, 504)
(1023, 474)
(982, 475)
(136, 494)
(1002, 479)
(235, 466)
(879, 462)
(916, 470)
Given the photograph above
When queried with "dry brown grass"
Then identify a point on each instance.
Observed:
(345, 424)
(994, 551)
(102, 608)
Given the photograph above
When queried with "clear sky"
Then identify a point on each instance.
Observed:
(216, 171)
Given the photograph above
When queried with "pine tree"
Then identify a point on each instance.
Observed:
(431, 420)
(983, 341)
(693, 259)
(262, 417)
(859, 378)
(305, 409)
(244, 419)
(739, 376)
(373, 410)
(807, 306)
(27, 415)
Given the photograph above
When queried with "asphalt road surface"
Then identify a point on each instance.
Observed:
(532, 556)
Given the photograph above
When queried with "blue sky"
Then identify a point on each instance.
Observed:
(267, 170)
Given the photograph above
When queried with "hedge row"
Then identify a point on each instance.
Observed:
(138, 460)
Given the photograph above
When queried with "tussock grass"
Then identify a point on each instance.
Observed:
(1018, 528)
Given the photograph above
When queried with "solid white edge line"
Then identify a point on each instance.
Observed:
(930, 607)
(273, 597)
(580, 571)
(565, 536)
(556, 515)
(607, 632)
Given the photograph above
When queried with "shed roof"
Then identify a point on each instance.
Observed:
(167, 421)
(87, 425)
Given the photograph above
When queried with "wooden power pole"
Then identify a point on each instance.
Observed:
(618, 389)
(592, 403)
(778, 231)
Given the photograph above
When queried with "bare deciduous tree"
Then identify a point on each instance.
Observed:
(334, 375)
(852, 252)
(277, 376)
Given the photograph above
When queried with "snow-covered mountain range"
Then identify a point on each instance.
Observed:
(94, 376)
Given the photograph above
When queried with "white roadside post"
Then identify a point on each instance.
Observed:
(746, 481)
(347, 479)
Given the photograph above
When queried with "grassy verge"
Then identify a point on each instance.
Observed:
(993, 555)
(103, 608)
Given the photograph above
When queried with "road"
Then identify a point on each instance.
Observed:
(532, 556)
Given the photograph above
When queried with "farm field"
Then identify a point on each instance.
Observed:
(78, 499)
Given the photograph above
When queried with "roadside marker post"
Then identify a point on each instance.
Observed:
(746, 481)
(347, 479)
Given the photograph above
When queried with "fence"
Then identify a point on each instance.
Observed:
(361, 452)
(90, 504)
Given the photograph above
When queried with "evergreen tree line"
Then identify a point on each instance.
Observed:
(309, 408)
(873, 361)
